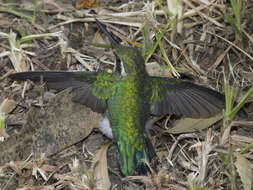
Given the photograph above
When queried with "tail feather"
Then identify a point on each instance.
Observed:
(132, 158)
(141, 167)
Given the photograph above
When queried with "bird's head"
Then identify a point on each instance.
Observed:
(132, 59)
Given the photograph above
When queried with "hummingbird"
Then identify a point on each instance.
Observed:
(128, 97)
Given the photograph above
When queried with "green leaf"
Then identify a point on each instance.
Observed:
(236, 23)
(2, 121)
(166, 59)
(247, 148)
(241, 103)
(17, 13)
(159, 38)
(230, 94)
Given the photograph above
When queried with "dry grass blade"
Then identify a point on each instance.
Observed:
(154, 181)
(248, 36)
(79, 178)
(187, 2)
(176, 7)
(219, 59)
(124, 23)
(101, 169)
(203, 150)
(44, 187)
(15, 54)
(234, 45)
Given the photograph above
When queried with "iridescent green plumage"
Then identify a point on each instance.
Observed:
(130, 100)
(127, 117)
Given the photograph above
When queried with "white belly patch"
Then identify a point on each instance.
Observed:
(105, 127)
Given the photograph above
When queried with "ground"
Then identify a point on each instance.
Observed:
(208, 42)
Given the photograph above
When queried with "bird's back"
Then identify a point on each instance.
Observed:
(128, 113)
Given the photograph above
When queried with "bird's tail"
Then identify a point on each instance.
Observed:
(133, 157)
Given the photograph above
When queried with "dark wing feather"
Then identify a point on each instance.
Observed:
(173, 96)
(84, 95)
(57, 80)
(81, 82)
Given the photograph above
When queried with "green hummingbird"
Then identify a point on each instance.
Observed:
(128, 98)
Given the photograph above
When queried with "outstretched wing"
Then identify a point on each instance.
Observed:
(174, 96)
(91, 88)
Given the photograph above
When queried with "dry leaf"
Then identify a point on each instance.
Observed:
(245, 172)
(154, 69)
(76, 123)
(15, 167)
(87, 4)
(23, 65)
(48, 168)
(187, 125)
(7, 106)
(162, 154)
(98, 39)
(101, 169)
